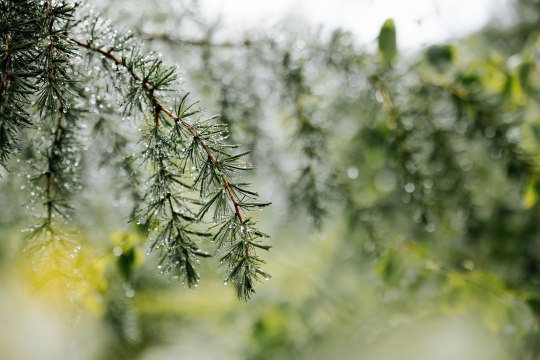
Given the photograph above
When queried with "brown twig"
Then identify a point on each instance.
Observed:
(49, 174)
(247, 43)
(52, 45)
(5, 76)
(58, 127)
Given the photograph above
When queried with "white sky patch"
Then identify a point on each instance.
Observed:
(419, 22)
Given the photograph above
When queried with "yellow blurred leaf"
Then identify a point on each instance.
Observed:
(67, 273)
(529, 195)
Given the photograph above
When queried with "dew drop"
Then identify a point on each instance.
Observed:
(352, 172)
(117, 251)
(409, 187)
(430, 227)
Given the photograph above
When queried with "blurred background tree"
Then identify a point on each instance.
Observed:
(404, 189)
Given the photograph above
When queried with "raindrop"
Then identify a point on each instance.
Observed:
(378, 96)
(352, 172)
(409, 187)
(468, 264)
(428, 184)
(117, 251)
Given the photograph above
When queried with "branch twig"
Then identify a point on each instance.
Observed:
(247, 43)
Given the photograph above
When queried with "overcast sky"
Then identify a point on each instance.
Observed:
(419, 22)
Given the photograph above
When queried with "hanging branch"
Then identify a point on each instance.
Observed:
(58, 127)
(57, 176)
(401, 151)
(214, 180)
(311, 186)
(486, 116)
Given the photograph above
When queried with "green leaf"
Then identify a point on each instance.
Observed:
(524, 73)
(126, 263)
(387, 42)
(388, 267)
(440, 56)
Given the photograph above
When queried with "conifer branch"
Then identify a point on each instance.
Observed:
(159, 107)
(519, 161)
(244, 264)
(401, 150)
(310, 186)
(56, 132)
(57, 174)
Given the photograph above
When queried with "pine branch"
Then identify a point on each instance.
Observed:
(159, 107)
(401, 150)
(213, 171)
(486, 116)
(55, 88)
(57, 129)
(311, 185)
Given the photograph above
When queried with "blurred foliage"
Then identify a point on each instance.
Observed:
(405, 215)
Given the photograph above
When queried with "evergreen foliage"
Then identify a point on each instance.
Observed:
(51, 50)
(420, 170)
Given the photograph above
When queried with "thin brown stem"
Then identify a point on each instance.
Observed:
(49, 173)
(148, 87)
(58, 127)
(52, 45)
(5, 75)
(199, 42)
